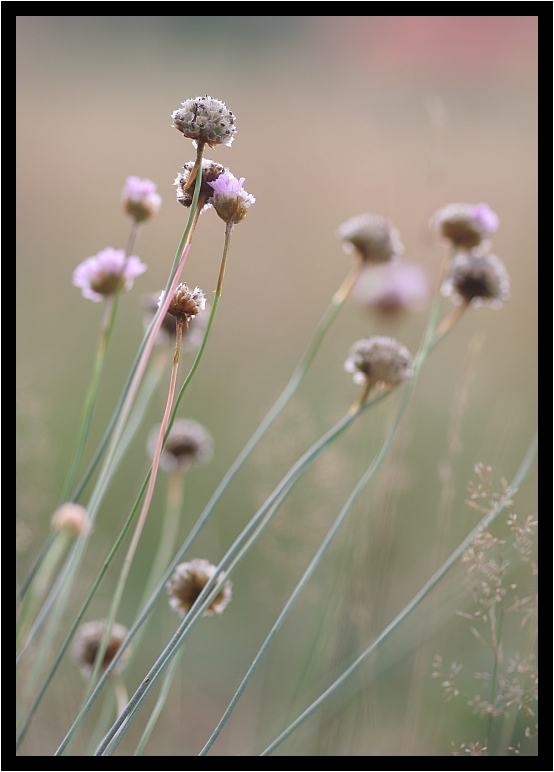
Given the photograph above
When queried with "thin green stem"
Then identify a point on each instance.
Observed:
(113, 737)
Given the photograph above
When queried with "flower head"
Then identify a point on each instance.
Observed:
(106, 273)
(193, 331)
(210, 172)
(466, 226)
(379, 360)
(372, 237)
(72, 518)
(477, 279)
(188, 443)
(140, 199)
(185, 304)
(205, 120)
(188, 581)
(87, 642)
(230, 200)
(392, 288)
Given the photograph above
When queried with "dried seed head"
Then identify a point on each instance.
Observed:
(87, 642)
(193, 332)
(205, 120)
(379, 360)
(465, 226)
(188, 581)
(185, 303)
(210, 172)
(477, 279)
(372, 237)
(188, 443)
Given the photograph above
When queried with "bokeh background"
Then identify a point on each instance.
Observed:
(336, 115)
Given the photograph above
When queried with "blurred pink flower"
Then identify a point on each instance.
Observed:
(105, 273)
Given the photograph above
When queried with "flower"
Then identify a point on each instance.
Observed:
(372, 237)
(392, 288)
(107, 272)
(230, 200)
(205, 120)
(193, 331)
(185, 304)
(188, 443)
(210, 172)
(466, 226)
(477, 279)
(87, 642)
(140, 199)
(72, 518)
(188, 581)
(379, 360)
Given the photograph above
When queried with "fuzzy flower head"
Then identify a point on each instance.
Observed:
(188, 581)
(193, 331)
(230, 200)
(87, 642)
(372, 237)
(140, 200)
(106, 273)
(206, 121)
(185, 192)
(188, 443)
(185, 303)
(476, 279)
(392, 289)
(465, 226)
(379, 361)
(71, 518)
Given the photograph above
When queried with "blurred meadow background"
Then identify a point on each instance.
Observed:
(335, 115)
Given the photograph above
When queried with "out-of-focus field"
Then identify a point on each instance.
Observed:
(336, 115)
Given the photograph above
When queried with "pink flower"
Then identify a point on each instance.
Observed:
(230, 200)
(392, 288)
(140, 199)
(105, 273)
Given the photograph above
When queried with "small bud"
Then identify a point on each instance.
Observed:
(140, 200)
(188, 443)
(107, 272)
(205, 120)
(465, 226)
(372, 237)
(477, 279)
(72, 518)
(188, 581)
(87, 642)
(379, 360)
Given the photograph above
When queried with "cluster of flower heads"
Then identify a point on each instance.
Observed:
(218, 188)
(475, 276)
(387, 285)
(187, 582)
